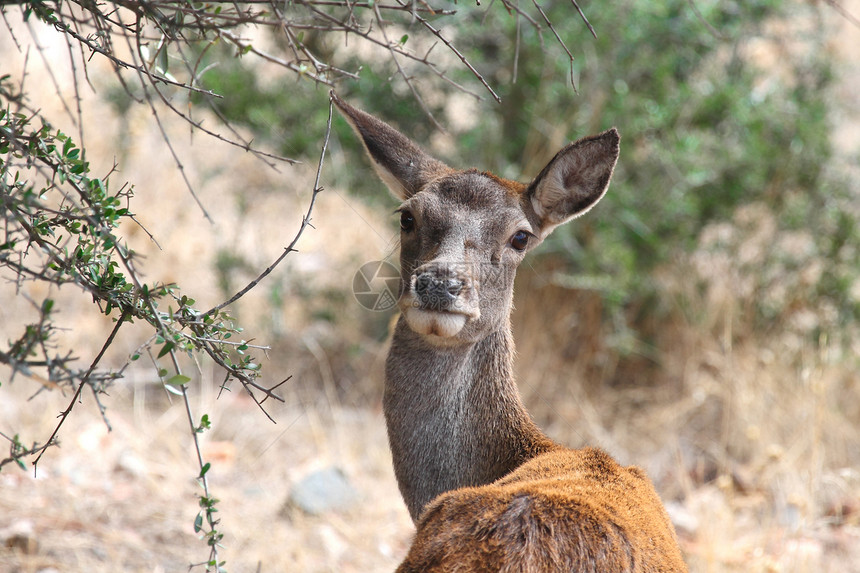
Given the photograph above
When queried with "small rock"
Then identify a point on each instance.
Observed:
(685, 522)
(131, 464)
(321, 491)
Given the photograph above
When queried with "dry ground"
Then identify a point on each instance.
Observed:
(125, 500)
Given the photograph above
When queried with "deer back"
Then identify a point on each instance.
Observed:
(567, 510)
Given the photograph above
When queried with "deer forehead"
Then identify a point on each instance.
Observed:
(472, 200)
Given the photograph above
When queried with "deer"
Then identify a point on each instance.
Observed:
(487, 490)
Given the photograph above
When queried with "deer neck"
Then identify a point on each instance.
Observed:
(454, 415)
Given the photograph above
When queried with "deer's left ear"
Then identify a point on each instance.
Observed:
(574, 180)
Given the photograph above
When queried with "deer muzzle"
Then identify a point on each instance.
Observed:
(440, 299)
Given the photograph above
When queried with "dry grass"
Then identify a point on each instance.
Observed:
(751, 442)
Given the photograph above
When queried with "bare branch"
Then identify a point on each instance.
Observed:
(306, 222)
(560, 41)
(459, 55)
(95, 48)
(584, 19)
(65, 413)
(402, 73)
(714, 32)
(843, 12)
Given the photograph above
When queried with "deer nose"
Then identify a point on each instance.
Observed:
(435, 292)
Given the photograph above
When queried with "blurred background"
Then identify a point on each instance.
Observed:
(701, 322)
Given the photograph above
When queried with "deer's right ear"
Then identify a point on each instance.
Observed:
(401, 164)
(574, 180)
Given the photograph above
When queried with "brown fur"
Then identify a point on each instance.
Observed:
(568, 510)
(488, 490)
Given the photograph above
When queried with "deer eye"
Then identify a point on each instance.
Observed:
(407, 221)
(520, 240)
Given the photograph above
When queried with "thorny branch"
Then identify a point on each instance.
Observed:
(306, 222)
(84, 252)
(84, 381)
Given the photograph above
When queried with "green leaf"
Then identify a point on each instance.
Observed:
(162, 59)
(168, 346)
(178, 380)
(198, 523)
(205, 469)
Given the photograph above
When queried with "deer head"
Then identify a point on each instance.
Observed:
(464, 232)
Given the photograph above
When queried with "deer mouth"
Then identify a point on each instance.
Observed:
(435, 323)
